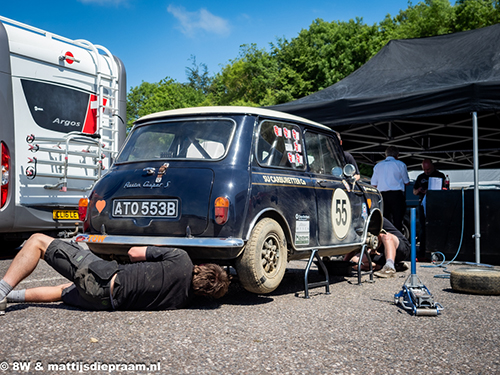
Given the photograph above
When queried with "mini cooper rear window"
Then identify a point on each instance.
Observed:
(280, 145)
(206, 139)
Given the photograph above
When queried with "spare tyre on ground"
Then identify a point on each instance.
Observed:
(476, 280)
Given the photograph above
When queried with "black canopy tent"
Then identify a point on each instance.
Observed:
(418, 94)
(436, 97)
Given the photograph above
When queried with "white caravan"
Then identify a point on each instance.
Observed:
(63, 119)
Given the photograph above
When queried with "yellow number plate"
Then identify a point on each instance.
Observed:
(65, 215)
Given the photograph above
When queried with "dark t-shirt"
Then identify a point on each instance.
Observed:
(423, 181)
(162, 282)
(349, 159)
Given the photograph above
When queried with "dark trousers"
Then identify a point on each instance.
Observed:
(394, 207)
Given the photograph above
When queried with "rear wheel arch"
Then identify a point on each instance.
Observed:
(262, 264)
(276, 216)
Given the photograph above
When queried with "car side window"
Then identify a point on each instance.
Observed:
(322, 155)
(280, 145)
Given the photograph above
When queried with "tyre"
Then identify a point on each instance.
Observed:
(263, 263)
(476, 281)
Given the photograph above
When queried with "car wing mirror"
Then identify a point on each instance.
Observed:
(349, 170)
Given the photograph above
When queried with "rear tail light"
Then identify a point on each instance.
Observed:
(221, 210)
(5, 174)
(83, 204)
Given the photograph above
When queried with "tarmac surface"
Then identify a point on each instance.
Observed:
(355, 329)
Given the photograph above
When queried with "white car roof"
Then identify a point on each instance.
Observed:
(230, 110)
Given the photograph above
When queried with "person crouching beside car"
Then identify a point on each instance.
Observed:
(390, 255)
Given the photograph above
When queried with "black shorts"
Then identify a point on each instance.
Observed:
(90, 274)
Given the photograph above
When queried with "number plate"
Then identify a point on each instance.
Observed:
(145, 208)
(65, 215)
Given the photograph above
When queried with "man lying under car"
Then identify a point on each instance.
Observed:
(158, 278)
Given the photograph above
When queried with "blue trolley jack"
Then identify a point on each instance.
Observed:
(415, 297)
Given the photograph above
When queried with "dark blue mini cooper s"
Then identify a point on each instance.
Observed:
(248, 187)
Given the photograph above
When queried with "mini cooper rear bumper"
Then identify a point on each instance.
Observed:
(197, 247)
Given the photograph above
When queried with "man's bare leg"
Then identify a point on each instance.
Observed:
(391, 243)
(27, 259)
(45, 293)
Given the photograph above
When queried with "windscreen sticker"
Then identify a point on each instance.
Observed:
(288, 147)
(341, 213)
(278, 131)
(302, 230)
(291, 158)
(297, 146)
(295, 134)
(287, 133)
(299, 160)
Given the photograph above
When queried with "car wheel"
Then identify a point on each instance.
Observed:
(476, 281)
(263, 263)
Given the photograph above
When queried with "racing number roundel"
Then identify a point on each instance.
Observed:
(341, 213)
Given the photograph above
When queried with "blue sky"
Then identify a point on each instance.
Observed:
(156, 38)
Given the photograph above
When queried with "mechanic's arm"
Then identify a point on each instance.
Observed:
(137, 254)
(154, 254)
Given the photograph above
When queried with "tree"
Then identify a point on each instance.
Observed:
(474, 14)
(429, 18)
(198, 77)
(156, 97)
(249, 79)
(324, 54)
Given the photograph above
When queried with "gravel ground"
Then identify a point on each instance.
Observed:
(356, 328)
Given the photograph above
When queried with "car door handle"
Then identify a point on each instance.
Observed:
(322, 183)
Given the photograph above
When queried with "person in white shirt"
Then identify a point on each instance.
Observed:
(390, 177)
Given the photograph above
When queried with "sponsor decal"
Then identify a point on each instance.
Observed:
(364, 211)
(302, 229)
(93, 238)
(348, 188)
(370, 189)
(285, 180)
(161, 172)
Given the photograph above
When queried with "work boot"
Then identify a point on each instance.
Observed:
(401, 266)
(3, 306)
(386, 272)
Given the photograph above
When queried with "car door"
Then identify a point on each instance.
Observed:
(339, 201)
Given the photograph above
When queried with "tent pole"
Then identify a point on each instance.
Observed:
(477, 228)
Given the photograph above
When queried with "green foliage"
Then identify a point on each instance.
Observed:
(247, 80)
(474, 14)
(156, 97)
(324, 54)
(432, 17)
(318, 57)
